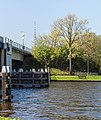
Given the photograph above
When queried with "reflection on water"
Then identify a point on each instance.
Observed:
(5, 106)
(6, 109)
(61, 101)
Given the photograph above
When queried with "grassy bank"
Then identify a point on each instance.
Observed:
(59, 75)
(3, 118)
(75, 78)
(58, 71)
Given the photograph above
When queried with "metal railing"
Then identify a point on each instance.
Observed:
(17, 45)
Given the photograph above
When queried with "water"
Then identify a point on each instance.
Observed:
(61, 101)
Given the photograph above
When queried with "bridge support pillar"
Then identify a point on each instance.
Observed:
(7, 54)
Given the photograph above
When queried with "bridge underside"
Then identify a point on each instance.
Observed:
(16, 64)
(26, 63)
(17, 60)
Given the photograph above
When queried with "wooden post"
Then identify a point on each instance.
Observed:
(3, 86)
(48, 76)
(6, 90)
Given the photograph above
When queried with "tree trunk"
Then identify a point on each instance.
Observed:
(88, 66)
(70, 56)
(70, 61)
(70, 66)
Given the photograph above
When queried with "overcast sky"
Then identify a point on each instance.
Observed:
(19, 15)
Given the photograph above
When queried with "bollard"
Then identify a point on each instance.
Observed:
(6, 89)
(42, 70)
(33, 70)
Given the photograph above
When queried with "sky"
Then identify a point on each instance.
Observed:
(17, 16)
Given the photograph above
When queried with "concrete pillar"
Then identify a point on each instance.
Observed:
(6, 54)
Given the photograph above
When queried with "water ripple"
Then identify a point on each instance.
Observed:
(61, 101)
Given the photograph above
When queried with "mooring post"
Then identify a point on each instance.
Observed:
(6, 89)
(48, 75)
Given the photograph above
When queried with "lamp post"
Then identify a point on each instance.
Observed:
(23, 38)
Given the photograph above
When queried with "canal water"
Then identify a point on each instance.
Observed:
(61, 101)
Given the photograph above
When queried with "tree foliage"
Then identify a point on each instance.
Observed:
(71, 29)
(91, 46)
(69, 46)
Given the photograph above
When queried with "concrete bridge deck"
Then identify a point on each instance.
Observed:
(12, 53)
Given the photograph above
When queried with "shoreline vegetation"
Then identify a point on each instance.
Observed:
(93, 78)
(63, 76)
(5, 118)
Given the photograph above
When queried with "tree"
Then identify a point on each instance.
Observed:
(91, 47)
(70, 29)
(46, 48)
(41, 51)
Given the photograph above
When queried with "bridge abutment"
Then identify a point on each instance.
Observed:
(12, 54)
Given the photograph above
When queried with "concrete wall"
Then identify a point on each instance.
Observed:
(11, 52)
(2, 57)
(9, 56)
(17, 56)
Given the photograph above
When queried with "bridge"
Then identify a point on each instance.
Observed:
(12, 53)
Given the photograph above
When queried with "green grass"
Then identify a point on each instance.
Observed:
(3, 118)
(67, 77)
(58, 71)
(76, 78)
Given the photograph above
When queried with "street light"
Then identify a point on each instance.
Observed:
(23, 38)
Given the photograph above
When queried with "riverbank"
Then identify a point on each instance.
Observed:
(3, 118)
(88, 78)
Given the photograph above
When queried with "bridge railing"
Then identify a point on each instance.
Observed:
(21, 47)
(17, 45)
